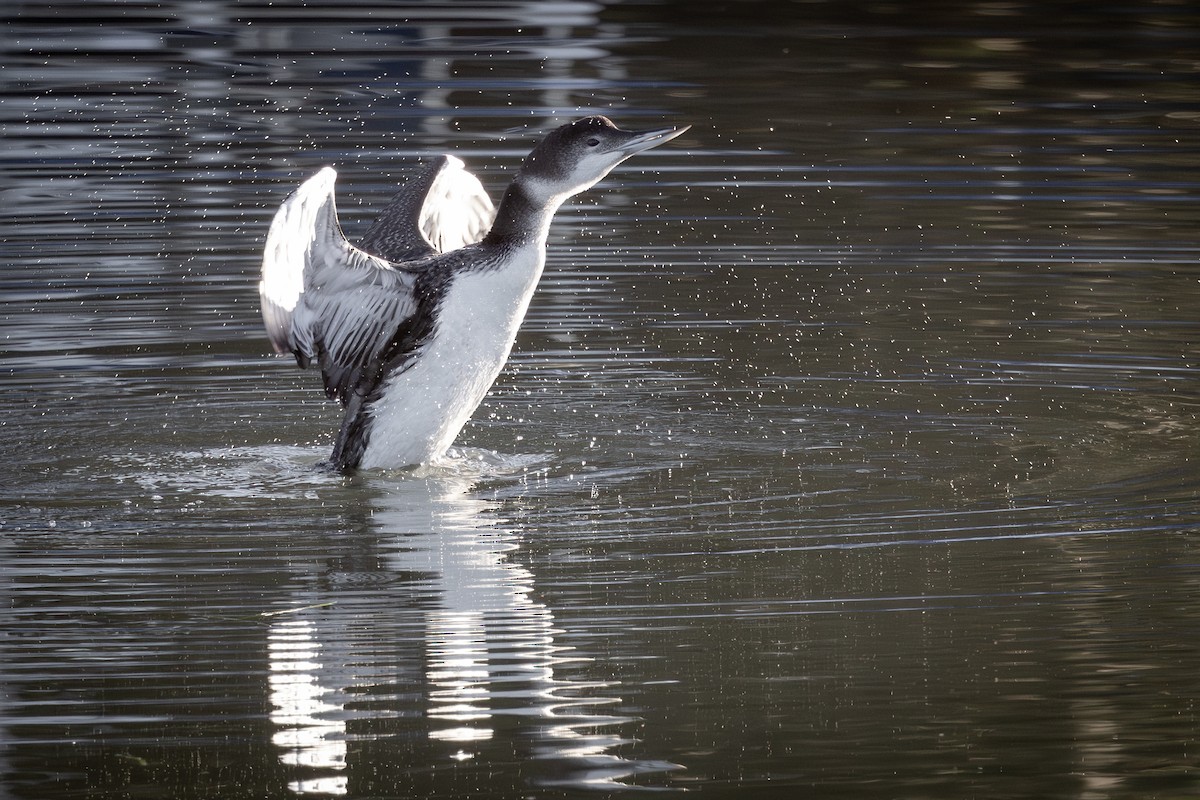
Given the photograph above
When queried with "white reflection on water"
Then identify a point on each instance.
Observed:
(491, 682)
(308, 739)
(490, 645)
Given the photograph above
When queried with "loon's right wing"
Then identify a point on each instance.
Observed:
(442, 208)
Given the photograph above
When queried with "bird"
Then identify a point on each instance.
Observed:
(411, 327)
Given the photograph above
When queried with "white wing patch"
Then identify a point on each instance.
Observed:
(457, 211)
(289, 244)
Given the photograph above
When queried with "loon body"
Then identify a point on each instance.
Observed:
(411, 329)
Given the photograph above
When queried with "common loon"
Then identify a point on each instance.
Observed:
(411, 329)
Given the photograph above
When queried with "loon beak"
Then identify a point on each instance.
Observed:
(644, 140)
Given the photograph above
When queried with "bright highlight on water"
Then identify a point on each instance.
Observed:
(411, 328)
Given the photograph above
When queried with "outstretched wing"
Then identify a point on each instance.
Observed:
(324, 299)
(442, 208)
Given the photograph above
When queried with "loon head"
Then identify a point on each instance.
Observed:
(575, 156)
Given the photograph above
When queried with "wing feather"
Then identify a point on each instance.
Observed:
(457, 211)
(286, 255)
(325, 300)
(441, 208)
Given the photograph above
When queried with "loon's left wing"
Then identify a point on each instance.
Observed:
(325, 300)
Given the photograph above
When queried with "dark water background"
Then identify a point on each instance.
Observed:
(849, 449)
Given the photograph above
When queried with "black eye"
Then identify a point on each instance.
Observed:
(593, 142)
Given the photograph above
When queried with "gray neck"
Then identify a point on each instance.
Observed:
(522, 219)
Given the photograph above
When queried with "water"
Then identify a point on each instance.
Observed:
(849, 449)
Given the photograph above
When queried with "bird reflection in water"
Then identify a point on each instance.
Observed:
(488, 687)
(307, 737)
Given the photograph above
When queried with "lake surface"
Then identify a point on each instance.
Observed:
(849, 450)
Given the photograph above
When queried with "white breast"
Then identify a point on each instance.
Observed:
(422, 409)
